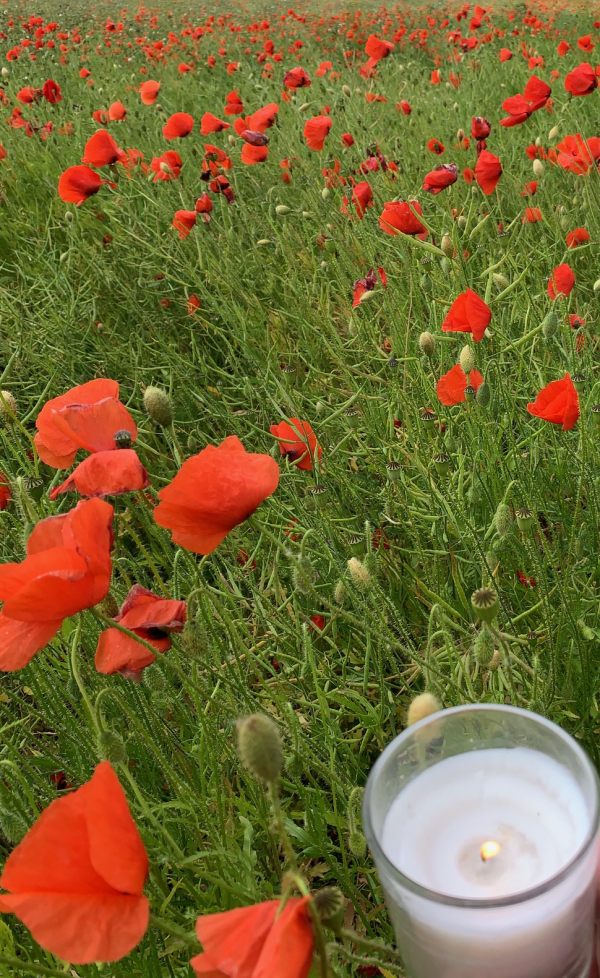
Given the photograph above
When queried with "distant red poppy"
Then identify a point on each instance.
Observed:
(213, 492)
(561, 281)
(166, 167)
(233, 104)
(204, 206)
(87, 417)
(178, 126)
(77, 184)
(261, 120)
(468, 314)
(488, 171)
(108, 473)
(505, 54)
(529, 189)
(562, 48)
(296, 78)
(5, 491)
(183, 222)
(101, 149)
(480, 127)
(435, 77)
(440, 177)
(404, 107)
(435, 146)
(117, 112)
(149, 92)
(558, 403)
(362, 198)
(531, 215)
(76, 879)
(347, 139)
(51, 92)
(377, 49)
(316, 131)
(152, 618)
(401, 216)
(251, 154)
(582, 80)
(577, 237)
(84, 72)
(28, 95)
(211, 123)
(193, 303)
(67, 569)
(367, 284)
(298, 442)
(260, 940)
(451, 386)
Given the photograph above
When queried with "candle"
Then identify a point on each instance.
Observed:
(483, 822)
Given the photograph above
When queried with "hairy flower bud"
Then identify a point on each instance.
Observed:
(427, 343)
(500, 280)
(422, 706)
(483, 647)
(503, 519)
(259, 747)
(484, 394)
(467, 359)
(111, 747)
(447, 246)
(550, 324)
(538, 168)
(158, 405)
(8, 406)
(282, 209)
(358, 572)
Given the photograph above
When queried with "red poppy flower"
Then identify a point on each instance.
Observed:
(117, 112)
(578, 155)
(260, 120)
(252, 154)
(213, 492)
(256, 942)
(84, 72)
(582, 80)
(296, 78)
(166, 167)
(67, 569)
(526, 582)
(193, 303)
(51, 92)
(347, 139)
(435, 77)
(106, 474)
(561, 281)
(505, 54)
(575, 321)
(529, 189)
(377, 49)
(562, 48)
(298, 442)
(183, 222)
(77, 184)
(178, 126)
(316, 131)
(28, 95)
(531, 215)
(577, 237)
(451, 386)
(101, 149)
(87, 416)
(435, 146)
(519, 107)
(480, 127)
(211, 123)
(468, 314)
(405, 107)
(400, 216)
(76, 880)
(233, 104)
(5, 491)
(488, 171)
(440, 177)
(558, 403)
(149, 92)
(362, 198)
(367, 284)
(152, 618)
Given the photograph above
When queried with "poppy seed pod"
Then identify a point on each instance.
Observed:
(427, 343)
(524, 518)
(158, 406)
(467, 359)
(259, 747)
(8, 406)
(485, 604)
(422, 706)
(330, 905)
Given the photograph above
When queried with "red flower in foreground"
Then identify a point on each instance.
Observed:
(213, 492)
(67, 569)
(85, 417)
(298, 442)
(451, 387)
(577, 237)
(178, 125)
(362, 198)
(468, 314)
(101, 149)
(488, 171)
(106, 474)
(211, 123)
(256, 942)
(480, 127)
(440, 177)
(400, 216)
(149, 92)
(558, 403)
(582, 80)
(51, 92)
(578, 155)
(316, 131)
(76, 880)
(77, 184)
(166, 167)
(183, 222)
(377, 49)
(296, 78)
(149, 616)
(561, 281)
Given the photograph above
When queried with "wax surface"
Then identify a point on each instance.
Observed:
(524, 800)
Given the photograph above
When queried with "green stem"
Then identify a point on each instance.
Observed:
(288, 849)
(188, 937)
(369, 945)
(124, 770)
(79, 681)
(21, 967)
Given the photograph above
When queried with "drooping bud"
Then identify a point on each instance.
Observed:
(304, 575)
(467, 359)
(158, 405)
(597, 286)
(461, 221)
(111, 747)
(550, 324)
(422, 706)
(282, 209)
(447, 246)
(485, 604)
(259, 747)
(358, 572)
(330, 904)
(503, 519)
(553, 133)
(427, 343)
(8, 407)
(356, 840)
(347, 91)
(484, 394)
(483, 647)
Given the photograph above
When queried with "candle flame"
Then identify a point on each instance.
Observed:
(489, 850)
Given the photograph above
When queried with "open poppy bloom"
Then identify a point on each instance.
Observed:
(149, 92)
(316, 131)
(468, 314)
(87, 416)
(519, 107)
(362, 199)
(296, 78)
(233, 104)
(298, 442)
(440, 177)
(106, 474)
(152, 618)
(488, 171)
(77, 184)
(213, 492)
(480, 127)
(561, 282)
(577, 237)
(76, 880)
(452, 386)
(377, 49)
(558, 403)
(183, 222)
(401, 217)
(67, 569)
(166, 167)
(578, 155)
(117, 112)
(582, 80)
(211, 123)
(253, 153)
(101, 149)
(178, 126)
(256, 942)
(51, 92)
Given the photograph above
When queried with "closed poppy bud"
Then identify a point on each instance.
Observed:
(467, 359)
(553, 133)
(427, 343)
(447, 246)
(485, 604)
(538, 168)
(503, 519)
(358, 572)
(500, 280)
(330, 905)
(8, 406)
(259, 747)
(550, 324)
(158, 405)
(282, 209)
(597, 286)
(422, 706)
(483, 395)
(483, 647)
(111, 747)
(346, 90)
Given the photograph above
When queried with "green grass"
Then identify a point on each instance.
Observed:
(277, 289)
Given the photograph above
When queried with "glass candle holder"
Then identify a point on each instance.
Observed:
(483, 822)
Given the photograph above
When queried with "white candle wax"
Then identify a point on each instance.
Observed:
(533, 808)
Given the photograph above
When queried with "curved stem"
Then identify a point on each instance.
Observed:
(79, 681)
(188, 937)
